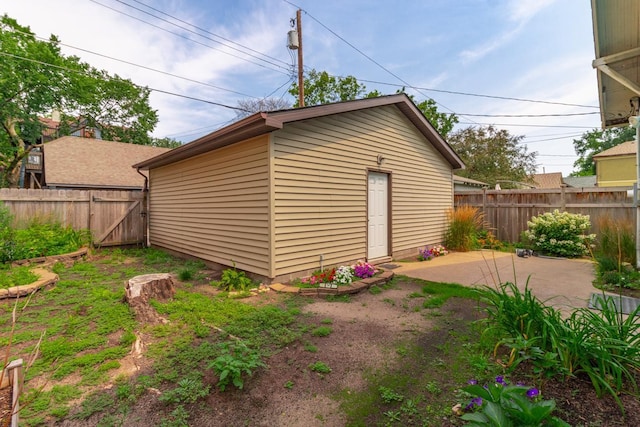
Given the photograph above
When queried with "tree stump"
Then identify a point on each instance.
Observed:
(141, 289)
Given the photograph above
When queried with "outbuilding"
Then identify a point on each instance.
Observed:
(282, 193)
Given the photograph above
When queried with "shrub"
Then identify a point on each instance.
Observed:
(233, 280)
(40, 237)
(560, 233)
(7, 243)
(464, 224)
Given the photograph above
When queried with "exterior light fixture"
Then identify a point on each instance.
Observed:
(380, 159)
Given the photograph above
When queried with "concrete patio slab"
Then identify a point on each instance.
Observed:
(564, 283)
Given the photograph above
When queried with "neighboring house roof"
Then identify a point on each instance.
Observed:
(71, 161)
(468, 181)
(548, 180)
(624, 149)
(580, 181)
(265, 122)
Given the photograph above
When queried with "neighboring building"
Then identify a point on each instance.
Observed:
(461, 183)
(580, 181)
(71, 162)
(280, 194)
(616, 167)
(548, 180)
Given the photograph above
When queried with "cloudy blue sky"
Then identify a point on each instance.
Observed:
(481, 59)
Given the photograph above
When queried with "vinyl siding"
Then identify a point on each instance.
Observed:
(618, 171)
(215, 206)
(320, 187)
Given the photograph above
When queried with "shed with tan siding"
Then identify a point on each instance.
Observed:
(287, 192)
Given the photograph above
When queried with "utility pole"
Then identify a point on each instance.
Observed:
(300, 67)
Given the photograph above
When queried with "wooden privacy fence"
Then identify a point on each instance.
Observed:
(114, 217)
(507, 211)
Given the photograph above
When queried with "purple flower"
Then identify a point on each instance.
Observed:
(472, 382)
(476, 401)
(500, 380)
(533, 392)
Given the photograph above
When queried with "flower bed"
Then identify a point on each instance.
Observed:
(340, 276)
(427, 254)
(341, 280)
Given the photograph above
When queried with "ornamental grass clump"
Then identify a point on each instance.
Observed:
(603, 346)
(560, 234)
(464, 224)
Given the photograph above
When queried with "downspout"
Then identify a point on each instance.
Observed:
(145, 209)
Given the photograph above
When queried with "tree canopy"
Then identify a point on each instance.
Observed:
(36, 79)
(594, 142)
(493, 156)
(322, 88)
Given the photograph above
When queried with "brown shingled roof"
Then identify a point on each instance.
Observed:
(548, 180)
(76, 162)
(624, 149)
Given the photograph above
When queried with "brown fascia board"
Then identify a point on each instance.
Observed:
(254, 125)
(261, 123)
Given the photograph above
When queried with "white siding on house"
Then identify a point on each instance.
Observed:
(215, 206)
(320, 184)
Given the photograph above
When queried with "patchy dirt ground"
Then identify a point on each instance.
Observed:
(366, 332)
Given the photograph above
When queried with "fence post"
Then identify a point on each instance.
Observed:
(90, 216)
(563, 200)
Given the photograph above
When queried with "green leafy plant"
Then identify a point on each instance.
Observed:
(189, 390)
(236, 359)
(233, 280)
(603, 345)
(388, 395)
(505, 405)
(7, 234)
(320, 367)
(560, 233)
(322, 331)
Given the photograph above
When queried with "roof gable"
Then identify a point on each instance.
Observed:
(548, 180)
(624, 149)
(83, 162)
(265, 122)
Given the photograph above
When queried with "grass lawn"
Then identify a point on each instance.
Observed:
(251, 359)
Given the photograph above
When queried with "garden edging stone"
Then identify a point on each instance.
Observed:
(352, 288)
(47, 278)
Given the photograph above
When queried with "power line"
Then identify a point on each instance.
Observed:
(192, 40)
(134, 84)
(367, 56)
(198, 34)
(528, 115)
(522, 125)
(506, 98)
(209, 32)
(166, 73)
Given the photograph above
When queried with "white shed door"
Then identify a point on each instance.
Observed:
(378, 211)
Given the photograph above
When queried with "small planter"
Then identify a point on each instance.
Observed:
(12, 378)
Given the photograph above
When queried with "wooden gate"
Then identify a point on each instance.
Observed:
(115, 217)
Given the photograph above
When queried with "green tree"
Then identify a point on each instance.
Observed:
(594, 142)
(165, 142)
(493, 155)
(37, 79)
(321, 88)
